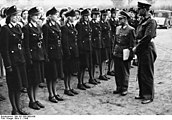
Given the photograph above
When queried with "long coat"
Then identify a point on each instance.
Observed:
(145, 50)
(70, 48)
(13, 56)
(52, 36)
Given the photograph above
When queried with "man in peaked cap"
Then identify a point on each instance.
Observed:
(146, 53)
(124, 40)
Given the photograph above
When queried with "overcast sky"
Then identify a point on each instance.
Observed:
(75, 3)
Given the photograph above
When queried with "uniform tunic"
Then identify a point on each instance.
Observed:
(70, 49)
(13, 55)
(106, 39)
(124, 40)
(52, 37)
(96, 41)
(84, 43)
(35, 52)
(146, 53)
(113, 24)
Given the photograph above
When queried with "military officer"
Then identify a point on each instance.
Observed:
(85, 49)
(124, 40)
(113, 24)
(145, 51)
(106, 51)
(13, 56)
(35, 56)
(70, 50)
(54, 67)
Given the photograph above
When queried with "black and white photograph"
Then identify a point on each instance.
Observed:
(85, 57)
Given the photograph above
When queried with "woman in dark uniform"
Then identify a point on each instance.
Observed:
(124, 40)
(97, 44)
(106, 51)
(14, 60)
(70, 50)
(54, 67)
(35, 56)
(85, 49)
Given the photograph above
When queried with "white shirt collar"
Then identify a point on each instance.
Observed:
(34, 24)
(13, 24)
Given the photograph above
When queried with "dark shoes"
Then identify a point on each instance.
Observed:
(86, 86)
(124, 93)
(139, 97)
(23, 112)
(102, 77)
(42, 85)
(81, 87)
(58, 98)
(112, 73)
(68, 92)
(20, 112)
(116, 92)
(145, 101)
(98, 82)
(2, 98)
(34, 106)
(39, 104)
(53, 99)
(24, 90)
(14, 112)
(92, 81)
(74, 92)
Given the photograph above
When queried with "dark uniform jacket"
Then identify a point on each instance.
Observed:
(12, 45)
(124, 40)
(113, 23)
(105, 34)
(96, 34)
(133, 23)
(146, 31)
(52, 37)
(84, 36)
(69, 41)
(34, 43)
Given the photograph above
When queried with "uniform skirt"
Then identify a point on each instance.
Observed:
(54, 70)
(71, 65)
(96, 56)
(105, 54)
(36, 73)
(17, 78)
(85, 59)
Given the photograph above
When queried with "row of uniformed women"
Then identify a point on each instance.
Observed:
(64, 50)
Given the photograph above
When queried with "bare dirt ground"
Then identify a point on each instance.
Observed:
(99, 100)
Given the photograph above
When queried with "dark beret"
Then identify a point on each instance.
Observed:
(104, 12)
(113, 10)
(52, 11)
(95, 11)
(34, 11)
(62, 11)
(12, 10)
(70, 13)
(85, 12)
